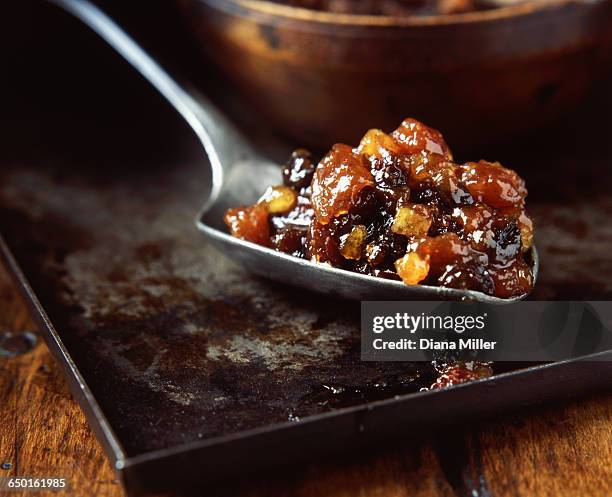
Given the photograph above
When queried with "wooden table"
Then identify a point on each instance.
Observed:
(561, 450)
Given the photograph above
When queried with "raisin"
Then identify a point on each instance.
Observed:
(425, 195)
(323, 245)
(366, 203)
(442, 223)
(470, 276)
(461, 195)
(525, 225)
(290, 241)
(507, 240)
(389, 174)
(299, 169)
(362, 267)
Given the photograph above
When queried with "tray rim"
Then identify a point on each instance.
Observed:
(112, 443)
(78, 386)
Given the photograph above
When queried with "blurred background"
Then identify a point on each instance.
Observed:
(486, 79)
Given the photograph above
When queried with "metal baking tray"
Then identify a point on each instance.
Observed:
(189, 369)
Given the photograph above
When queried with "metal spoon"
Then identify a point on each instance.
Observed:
(240, 175)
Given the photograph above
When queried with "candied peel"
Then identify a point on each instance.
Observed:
(397, 206)
(412, 268)
(351, 245)
(412, 220)
(279, 199)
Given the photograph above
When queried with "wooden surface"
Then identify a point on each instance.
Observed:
(561, 450)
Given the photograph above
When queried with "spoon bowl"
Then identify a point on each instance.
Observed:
(239, 174)
(329, 280)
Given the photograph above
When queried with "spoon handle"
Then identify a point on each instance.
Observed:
(222, 142)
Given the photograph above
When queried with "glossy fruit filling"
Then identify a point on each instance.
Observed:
(397, 206)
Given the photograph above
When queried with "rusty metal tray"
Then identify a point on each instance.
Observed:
(191, 370)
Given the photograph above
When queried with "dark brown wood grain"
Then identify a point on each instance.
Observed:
(561, 450)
